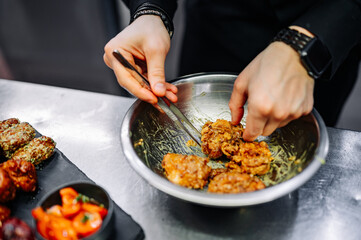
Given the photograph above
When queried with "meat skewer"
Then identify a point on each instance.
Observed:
(5, 124)
(36, 151)
(15, 137)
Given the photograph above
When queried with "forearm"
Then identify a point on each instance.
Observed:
(337, 24)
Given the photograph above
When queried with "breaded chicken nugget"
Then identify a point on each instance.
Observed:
(234, 182)
(215, 134)
(188, 171)
(254, 157)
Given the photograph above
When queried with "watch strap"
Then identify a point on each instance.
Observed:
(293, 38)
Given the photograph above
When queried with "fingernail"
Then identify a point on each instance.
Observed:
(159, 87)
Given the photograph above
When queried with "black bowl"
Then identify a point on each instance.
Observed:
(92, 191)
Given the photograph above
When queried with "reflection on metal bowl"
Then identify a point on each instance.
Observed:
(147, 135)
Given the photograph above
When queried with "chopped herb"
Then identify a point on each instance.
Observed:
(82, 198)
(85, 218)
(77, 199)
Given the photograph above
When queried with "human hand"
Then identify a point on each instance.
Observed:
(278, 90)
(145, 44)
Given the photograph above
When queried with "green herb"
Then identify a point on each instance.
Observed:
(77, 199)
(82, 198)
(85, 218)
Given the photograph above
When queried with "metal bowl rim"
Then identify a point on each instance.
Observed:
(223, 200)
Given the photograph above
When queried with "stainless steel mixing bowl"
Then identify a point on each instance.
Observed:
(147, 135)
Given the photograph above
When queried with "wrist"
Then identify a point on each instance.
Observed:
(313, 54)
(152, 9)
(302, 30)
(151, 24)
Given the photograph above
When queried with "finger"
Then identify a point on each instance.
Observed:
(158, 108)
(255, 125)
(171, 92)
(171, 96)
(238, 99)
(141, 64)
(171, 87)
(127, 81)
(271, 126)
(156, 76)
(139, 69)
(284, 123)
(107, 62)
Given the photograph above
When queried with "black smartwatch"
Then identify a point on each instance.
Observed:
(314, 55)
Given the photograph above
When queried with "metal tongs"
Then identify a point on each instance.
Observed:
(185, 124)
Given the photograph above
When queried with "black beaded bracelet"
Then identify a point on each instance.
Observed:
(151, 9)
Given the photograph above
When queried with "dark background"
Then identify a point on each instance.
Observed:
(61, 43)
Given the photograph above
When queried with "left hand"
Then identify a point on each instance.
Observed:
(278, 90)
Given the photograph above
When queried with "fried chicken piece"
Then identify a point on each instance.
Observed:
(4, 214)
(234, 182)
(217, 171)
(188, 171)
(7, 187)
(36, 151)
(5, 124)
(215, 134)
(254, 157)
(230, 166)
(22, 173)
(15, 137)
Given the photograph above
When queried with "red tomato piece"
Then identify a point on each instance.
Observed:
(38, 213)
(86, 223)
(42, 227)
(62, 228)
(68, 195)
(71, 210)
(55, 210)
(89, 207)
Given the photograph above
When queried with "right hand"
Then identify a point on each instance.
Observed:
(278, 90)
(145, 44)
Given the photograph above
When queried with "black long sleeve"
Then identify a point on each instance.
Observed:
(337, 23)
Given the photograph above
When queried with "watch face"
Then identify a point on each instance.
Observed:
(316, 57)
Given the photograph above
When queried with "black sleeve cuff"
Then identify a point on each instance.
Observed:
(337, 23)
(151, 9)
(165, 9)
